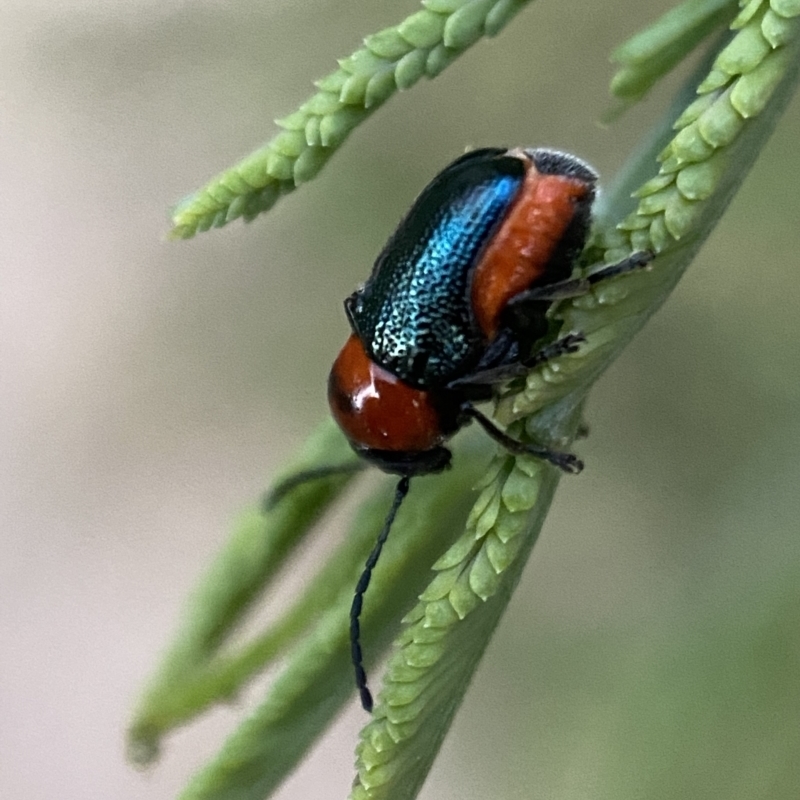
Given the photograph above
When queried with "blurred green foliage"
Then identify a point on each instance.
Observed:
(655, 638)
(652, 648)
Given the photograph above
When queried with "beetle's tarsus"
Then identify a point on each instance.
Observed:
(566, 344)
(566, 461)
(638, 260)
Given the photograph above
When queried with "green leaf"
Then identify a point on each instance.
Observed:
(667, 217)
(393, 760)
(655, 51)
(260, 544)
(394, 58)
(317, 679)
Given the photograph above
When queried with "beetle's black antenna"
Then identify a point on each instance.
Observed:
(287, 485)
(564, 461)
(363, 582)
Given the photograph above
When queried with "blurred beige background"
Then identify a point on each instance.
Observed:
(150, 388)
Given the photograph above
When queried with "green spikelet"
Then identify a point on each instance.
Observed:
(395, 58)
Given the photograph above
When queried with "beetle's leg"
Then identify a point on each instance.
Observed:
(517, 369)
(575, 287)
(638, 260)
(564, 461)
(276, 493)
(489, 377)
(566, 344)
(523, 312)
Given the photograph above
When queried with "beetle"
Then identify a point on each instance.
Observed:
(458, 303)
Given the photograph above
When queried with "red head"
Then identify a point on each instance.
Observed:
(397, 426)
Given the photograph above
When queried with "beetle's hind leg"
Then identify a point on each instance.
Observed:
(277, 492)
(575, 287)
(638, 260)
(525, 310)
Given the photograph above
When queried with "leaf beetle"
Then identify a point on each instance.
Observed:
(456, 304)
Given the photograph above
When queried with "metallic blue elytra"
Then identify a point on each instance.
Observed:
(414, 314)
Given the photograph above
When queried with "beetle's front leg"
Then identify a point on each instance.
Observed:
(566, 462)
